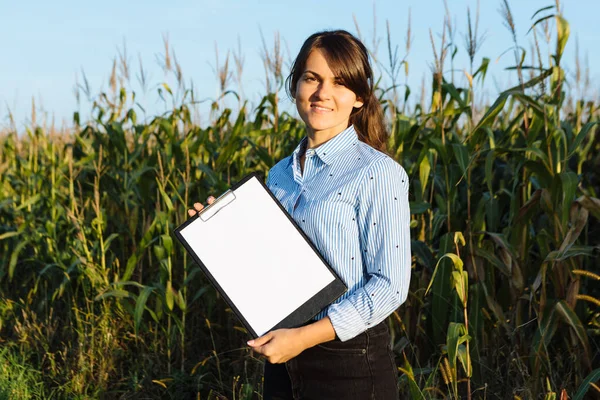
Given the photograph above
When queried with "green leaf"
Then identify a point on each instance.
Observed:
(562, 36)
(530, 207)
(180, 301)
(492, 112)
(489, 164)
(492, 258)
(538, 152)
(461, 155)
(28, 202)
(593, 376)
(169, 296)
(441, 291)
(131, 264)
(451, 89)
(459, 238)
(540, 20)
(420, 207)
(453, 336)
(118, 293)
(465, 360)
(573, 251)
(128, 283)
(108, 240)
(140, 305)
(424, 170)
(415, 391)
(7, 235)
(475, 326)
(528, 101)
(580, 137)
(165, 198)
(460, 281)
(213, 178)
(541, 340)
(569, 181)
(485, 62)
(569, 316)
(159, 252)
(540, 170)
(14, 257)
(423, 253)
(531, 82)
(167, 243)
(200, 293)
(542, 10)
(167, 88)
(455, 260)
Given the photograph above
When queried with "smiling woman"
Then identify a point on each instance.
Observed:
(351, 199)
(322, 99)
(333, 69)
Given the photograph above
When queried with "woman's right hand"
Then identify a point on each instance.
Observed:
(199, 206)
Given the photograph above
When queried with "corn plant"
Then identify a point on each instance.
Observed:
(98, 299)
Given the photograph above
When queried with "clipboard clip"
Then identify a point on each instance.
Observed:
(220, 203)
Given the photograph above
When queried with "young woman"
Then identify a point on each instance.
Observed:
(351, 199)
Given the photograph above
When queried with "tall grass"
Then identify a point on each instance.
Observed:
(98, 301)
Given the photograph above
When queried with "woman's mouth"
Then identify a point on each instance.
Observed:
(320, 109)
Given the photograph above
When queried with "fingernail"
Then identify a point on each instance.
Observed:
(250, 342)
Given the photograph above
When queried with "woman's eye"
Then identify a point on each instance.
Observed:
(309, 79)
(339, 83)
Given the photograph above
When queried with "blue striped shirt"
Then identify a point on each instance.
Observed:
(352, 202)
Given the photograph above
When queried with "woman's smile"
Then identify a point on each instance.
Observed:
(320, 109)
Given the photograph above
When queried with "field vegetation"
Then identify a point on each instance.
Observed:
(98, 299)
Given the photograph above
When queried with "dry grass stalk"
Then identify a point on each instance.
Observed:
(473, 41)
(112, 81)
(273, 63)
(539, 59)
(124, 74)
(239, 60)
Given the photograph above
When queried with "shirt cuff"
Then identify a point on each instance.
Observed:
(346, 320)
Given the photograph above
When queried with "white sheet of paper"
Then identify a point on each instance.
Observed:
(258, 257)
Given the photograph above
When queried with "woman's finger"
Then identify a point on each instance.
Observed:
(261, 340)
(210, 200)
(198, 206)
(191, 213)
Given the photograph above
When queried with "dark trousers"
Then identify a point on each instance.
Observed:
(360, 368)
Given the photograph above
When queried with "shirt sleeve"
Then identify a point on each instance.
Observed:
(384, 228)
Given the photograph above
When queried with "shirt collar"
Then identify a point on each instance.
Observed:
(328, 151)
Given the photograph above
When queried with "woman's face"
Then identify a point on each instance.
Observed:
(323, 102)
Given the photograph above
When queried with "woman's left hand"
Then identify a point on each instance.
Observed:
(279, 346)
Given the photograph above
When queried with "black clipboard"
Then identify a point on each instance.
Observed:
(247, 224)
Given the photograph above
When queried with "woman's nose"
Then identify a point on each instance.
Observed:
(324, 90)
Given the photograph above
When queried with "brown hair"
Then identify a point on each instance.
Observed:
(349, 61)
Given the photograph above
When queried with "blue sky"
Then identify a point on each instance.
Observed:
(45, 45)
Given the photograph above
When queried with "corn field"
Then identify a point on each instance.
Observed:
(97, 299)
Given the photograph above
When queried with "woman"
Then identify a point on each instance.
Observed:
(351, 199)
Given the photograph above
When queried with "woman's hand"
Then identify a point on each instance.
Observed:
(199, 206)
(280, 345)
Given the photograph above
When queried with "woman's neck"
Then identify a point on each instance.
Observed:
(315, 139)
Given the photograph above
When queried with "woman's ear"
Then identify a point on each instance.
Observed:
(358, 103)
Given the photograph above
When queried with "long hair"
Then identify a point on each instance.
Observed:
(348, 59)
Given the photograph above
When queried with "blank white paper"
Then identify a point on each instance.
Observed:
(258, 257)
